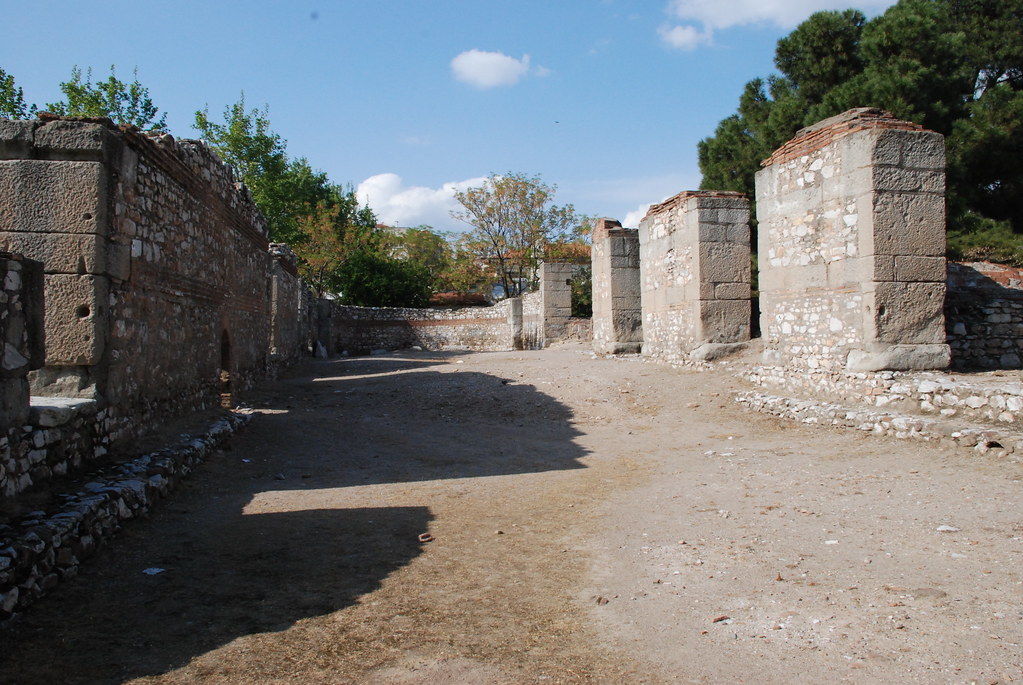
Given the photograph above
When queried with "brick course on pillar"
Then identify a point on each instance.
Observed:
(617, 314)
(852, 244)
(695, 261)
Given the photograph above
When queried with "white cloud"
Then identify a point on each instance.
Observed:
(684, 37)
(489, 69)
(713, 15)
(633, 218)
(396, 204)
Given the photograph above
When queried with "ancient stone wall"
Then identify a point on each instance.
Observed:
(851, 246)
(984, 316)
(617, 310)
(157, 273)
(528, 322)
(360, 330)
(21, 350)
(293, 330)
(694, 252)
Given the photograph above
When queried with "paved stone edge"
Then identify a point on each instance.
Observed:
(43, 549)
(996, 442)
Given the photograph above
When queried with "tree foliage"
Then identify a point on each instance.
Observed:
(12, 99)
(124, 103)
(245, 141)
(513, 219)
(954, 66)
(372, 279)
(329, 233)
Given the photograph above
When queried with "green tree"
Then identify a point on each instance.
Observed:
(465, 271)
(420, 245)
(245, 141)
(822, 52)
(371, 279)
(329, 234)
(12, 99)
(124, 103)
(513, 218)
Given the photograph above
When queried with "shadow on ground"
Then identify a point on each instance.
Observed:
(330, 427)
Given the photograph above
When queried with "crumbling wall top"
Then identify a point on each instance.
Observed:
(822, 133)
(680, 199)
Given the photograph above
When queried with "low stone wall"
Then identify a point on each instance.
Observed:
(359, 330)
(44, 547)
(984, 316)
(579, 328)
(996, 442)
(59, 437)
(985, 398)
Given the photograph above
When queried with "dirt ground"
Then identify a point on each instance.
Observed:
(546, 517)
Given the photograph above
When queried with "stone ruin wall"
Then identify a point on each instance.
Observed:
(851, 244)
(528, 322)
(360, 330)
(21, 350)
(694, 252)
(984, 316)
(293, 311)
(617, 310)
(157, 278)
(157, 273)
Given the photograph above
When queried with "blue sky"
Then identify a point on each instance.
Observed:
(408, 99)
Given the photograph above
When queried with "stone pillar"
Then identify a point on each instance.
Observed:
(54, 206)
(695, 255)
(852, 244)
(515, 323)
(556, 302)
(617, 317)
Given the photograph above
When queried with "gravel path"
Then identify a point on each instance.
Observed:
(546, 517)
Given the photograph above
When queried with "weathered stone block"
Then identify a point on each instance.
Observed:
(910, 149)
(881, 357)
(61, 252)
(52, 197)
(76, 140)
(724, 262)
(909, 224)
(899, 179)
(16, 138)
(713, 232)
(909, 313)
(739, 232)
(732, 291)
(725, 321)
(914, 268)
(74, 316)
(884, 268)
